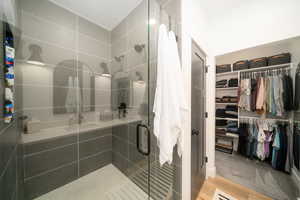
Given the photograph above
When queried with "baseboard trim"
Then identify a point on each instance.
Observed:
(296, 177)
(210, 171)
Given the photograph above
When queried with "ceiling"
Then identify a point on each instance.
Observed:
(105, 13)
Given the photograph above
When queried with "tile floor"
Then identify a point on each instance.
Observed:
(107, 183)
(256, 175)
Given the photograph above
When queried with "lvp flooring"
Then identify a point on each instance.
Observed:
(235, 190)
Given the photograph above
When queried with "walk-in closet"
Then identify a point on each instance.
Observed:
(257, 117)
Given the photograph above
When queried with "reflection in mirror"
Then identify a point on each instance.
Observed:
(35, 58)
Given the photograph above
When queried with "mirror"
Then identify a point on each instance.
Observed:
(71, 81)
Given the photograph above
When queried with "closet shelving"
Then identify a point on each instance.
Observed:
(268, 118)
(237, 74)
(226, 103)
(227, 88)
(231, 119)
(287, 65)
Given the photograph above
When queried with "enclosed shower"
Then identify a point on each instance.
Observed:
(84, 80)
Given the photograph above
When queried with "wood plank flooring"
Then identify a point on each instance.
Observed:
(235, 190)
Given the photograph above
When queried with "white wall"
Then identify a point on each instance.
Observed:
(252, 23)
(199, 34)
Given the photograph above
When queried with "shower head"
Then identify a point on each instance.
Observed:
(139, 47)
(119, 58)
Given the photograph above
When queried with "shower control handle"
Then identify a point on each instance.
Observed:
(138, 128)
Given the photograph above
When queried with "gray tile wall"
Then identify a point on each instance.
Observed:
(52, 163)
(70, 46)
(9, 138)
(67, 41)
(131, 31)
(10, 148)
(125, 155)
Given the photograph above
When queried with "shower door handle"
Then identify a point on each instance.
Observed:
(138, 128)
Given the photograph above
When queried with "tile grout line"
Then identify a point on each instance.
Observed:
(77, 94)
(9, 161)
(48, 171)
(7, 127)
(96, 154)
(64, 27)
(65, 165)
(48, 150)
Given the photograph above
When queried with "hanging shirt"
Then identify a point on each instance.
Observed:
(289, 159)
(297, 89)
(273, 103)
(277, 86)
(261, 137)
(268, 139)
(260, 96)
(245, 92)
(276, 147)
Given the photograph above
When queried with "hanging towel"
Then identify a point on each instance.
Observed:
(178, 90)
(71, 96)
(169, 98)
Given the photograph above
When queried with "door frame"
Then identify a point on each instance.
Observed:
(199, 53)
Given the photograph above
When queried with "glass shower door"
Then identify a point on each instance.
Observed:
(84, 81)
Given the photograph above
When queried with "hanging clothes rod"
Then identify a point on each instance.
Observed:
(267, 119)
(266, 68)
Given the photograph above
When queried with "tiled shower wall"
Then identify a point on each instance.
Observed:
(129, 32)
(77, 46)
(70, 46)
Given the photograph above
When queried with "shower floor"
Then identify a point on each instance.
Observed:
(107, 183)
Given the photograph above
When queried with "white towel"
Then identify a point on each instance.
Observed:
(71, 96)
(178, 89)
(169, 103)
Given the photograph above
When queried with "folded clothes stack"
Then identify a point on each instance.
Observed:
(232, 128)
(221, 83)
(233, 108)
(230, 99)
(221, 122)
(227, 99)
(218, 100)
(231, 124)
(223, 114)
(233, 82)
(220, 131)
